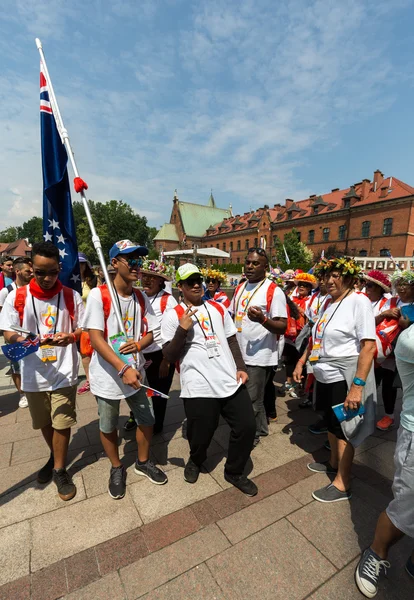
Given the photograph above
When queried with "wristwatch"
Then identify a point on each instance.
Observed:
(358, 381)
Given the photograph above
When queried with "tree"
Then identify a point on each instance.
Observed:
(334, 252)
(32, 229)
(301, 257)
(9, 235)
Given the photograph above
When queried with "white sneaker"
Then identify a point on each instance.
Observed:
(23, 403)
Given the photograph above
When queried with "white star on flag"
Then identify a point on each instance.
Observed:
(47, 236)
(60, 239)
(63, 253)
(54, 224)
(75, 278)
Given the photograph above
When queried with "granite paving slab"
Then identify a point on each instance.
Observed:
(196, 584)
(14, 551)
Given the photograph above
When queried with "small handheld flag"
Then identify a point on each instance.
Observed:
(287, 259)
(20, 350)
(58, 221)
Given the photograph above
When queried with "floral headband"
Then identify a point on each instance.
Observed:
(155, 267)
(214, 274)
(345, 265)
(407, 276)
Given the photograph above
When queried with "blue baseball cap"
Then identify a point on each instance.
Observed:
(126, 247)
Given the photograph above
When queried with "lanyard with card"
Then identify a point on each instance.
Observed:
(241, 313)
(320, 329)
(48, 353)
(211, 339)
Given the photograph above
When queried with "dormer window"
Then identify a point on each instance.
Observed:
(347, 203)
(315, 210)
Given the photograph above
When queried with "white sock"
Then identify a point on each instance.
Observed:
(391, 416)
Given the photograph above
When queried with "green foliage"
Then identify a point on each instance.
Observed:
(229, 268)
(32, 229)
(333, 251)
(301, 257)
(9, 235)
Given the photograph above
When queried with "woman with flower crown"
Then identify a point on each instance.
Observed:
(154, 275)
(214, 280)
(341, 353)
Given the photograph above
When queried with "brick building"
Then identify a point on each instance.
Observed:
(370, 218)
(16, 249)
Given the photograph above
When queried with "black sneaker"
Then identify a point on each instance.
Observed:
(368, 572)
(191, 472)
(154, 474)
(46, 473)
(242, 483)
(65, 487)
(117, 482)
(256, 442)
(318, 428)
(307, 403)
(130, 425)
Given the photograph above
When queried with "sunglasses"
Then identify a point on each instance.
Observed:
(192, 281)
(132, 262)
(41, 273)
(211, 280)
(257, 250)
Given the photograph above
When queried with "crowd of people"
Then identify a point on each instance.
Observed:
(340, 334)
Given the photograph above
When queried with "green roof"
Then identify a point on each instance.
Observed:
(167, 232)
(197, 218)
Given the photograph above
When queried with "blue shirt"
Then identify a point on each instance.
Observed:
(7, 281)
(404, 353)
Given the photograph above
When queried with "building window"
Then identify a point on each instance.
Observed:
(315, 210)
(238, 260)
(247, 245)
(385, 251)
(224, 246)
(311, 236)
(347, 203)
(299, 235)
(363, 253)
(231, 246)
(366, 226)
(255, 243)
(238, 245)
(387, 227)
(276, 239)
(342, 232)
(218, 246)
(325, 235)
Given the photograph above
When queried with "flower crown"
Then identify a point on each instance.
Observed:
(158, 268)
(345, 265)
(407, 276)
(214, 274)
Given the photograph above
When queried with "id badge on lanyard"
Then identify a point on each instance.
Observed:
(315, 353)
(213, 346)
(49, 353)
(238, 320)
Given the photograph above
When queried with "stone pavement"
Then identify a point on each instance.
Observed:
(181, 541)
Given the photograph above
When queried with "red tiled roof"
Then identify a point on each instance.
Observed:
(17, 248)
(332, 201)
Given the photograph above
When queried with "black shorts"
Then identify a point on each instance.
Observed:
(327, 396)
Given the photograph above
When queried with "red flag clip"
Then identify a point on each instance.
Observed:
(80, 185)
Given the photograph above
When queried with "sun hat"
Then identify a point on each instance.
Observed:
(160, 269)
(379, 278)
(185, 271)
(302, 277)
(407, 276)
(84, 259)
(126, 247)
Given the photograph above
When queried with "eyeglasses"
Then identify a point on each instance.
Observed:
(41, 273)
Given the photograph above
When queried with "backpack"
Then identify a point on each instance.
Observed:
(20, 302)
(106, 304)
(386, 334)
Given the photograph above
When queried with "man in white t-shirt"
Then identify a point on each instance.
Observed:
(260, 316)
(202, 336)
(112, 378)
(49, 376)
(24, 272)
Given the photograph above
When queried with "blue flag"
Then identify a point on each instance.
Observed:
(19, 350)
(58, 221)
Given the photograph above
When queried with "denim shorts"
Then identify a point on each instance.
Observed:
(15, 367)
(401, 509)
(139, 403)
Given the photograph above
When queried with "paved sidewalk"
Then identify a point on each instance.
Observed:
(181, 541)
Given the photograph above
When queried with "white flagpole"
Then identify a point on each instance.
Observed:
(65, 139)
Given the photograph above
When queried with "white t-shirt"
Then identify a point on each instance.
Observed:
(379, 306)
(342, 325)
(5, 292)
(259, 347)
(155, 302)
(103, 377)
(201, 376)
(314, 305)
(38, 375)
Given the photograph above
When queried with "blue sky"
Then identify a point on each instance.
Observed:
(260, 100)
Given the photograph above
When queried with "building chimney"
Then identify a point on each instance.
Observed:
(288, 202)
(384, 191)
(378, 179)
(365, 188)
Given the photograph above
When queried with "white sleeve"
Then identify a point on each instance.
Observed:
(152, 320)
(364, 318)
(94, 317)
(3, 295)
(79, 311)
(278, 306)
(169, 325)
(9, 316)
(171, 302)
(229, 326)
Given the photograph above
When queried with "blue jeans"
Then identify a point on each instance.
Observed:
(139, 404)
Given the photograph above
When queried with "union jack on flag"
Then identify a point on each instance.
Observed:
(19, 350)
(58, 222)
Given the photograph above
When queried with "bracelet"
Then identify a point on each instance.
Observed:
(302, 362)
(74, 338)
(358, 381)
(123, 370)
(264, 321)
(138, 346)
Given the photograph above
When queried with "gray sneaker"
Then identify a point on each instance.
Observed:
(324, 467)
(330, 493)
(368, 572)
(154, 474)
(117, 482)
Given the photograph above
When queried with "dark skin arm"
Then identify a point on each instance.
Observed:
(277, 325)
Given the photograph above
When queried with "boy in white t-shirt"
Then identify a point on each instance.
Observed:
(260, 316)
(50, 375)
(202, 336)
(111, 378)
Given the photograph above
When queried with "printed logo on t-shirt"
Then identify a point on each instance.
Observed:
(204, 321)
(244, 301)
(129, 324)
(320, 327)
(49, 317)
